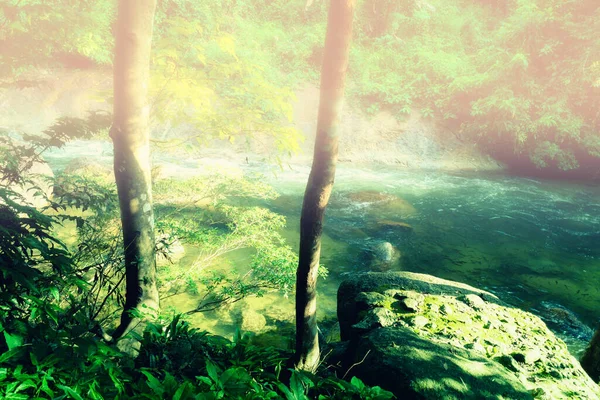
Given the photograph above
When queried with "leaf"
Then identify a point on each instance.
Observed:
(185, 391)
(235, 380)
(28, 384)
(12, 341)
(212, 371)
(69, 391)
(9, 354)
(227, 44)
(357, 383)
(54, 290)
(154, 383)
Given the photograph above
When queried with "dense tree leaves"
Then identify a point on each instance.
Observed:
(521, 75)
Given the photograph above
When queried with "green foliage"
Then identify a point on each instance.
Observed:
(513, 75)
(36, 268)
(201, 79)
(223, 369)
(35, 32)
(51, 342)
(521, 75)
(175, 362)
(212, 213)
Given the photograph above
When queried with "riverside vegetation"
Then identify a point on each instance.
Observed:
(80, 268)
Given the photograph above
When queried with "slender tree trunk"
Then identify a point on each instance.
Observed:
(320, 181)
(591, 358)
(132, 163)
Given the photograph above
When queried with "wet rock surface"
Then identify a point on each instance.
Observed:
(381, 256)
(425, 337)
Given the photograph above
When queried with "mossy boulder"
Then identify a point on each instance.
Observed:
(402, 281)
(424, 337)
(413, 367)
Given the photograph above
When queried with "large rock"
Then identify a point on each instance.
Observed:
(416, 368)
(348, 309)
(425, 337)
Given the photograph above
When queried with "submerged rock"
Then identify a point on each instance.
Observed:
(378, 256)
(389, 227)
(425, 337)
(382, 256)
(564, 320)
(251, 321)
(384, 202)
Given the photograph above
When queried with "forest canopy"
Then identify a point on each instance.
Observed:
(517, 77)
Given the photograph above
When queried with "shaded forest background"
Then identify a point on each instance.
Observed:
(519, 78)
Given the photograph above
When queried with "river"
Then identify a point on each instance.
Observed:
(534, 243)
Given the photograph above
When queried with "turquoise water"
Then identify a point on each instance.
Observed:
(534, 243)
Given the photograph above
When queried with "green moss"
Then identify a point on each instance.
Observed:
(516, 340)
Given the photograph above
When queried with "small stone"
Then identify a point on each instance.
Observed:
(372, 299)
(532, 355)
(445, 309)
(527, 357)
(493, 324)
(473, 300)
(475, 346)
(509, 328)
(377, 317)
(419, 321)
(412, 304)
(384, 317)
(538, 393)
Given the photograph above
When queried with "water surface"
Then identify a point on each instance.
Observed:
(532, 242)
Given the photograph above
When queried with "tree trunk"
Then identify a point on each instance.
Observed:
(320, 181)
(132, 163)
(591, 358)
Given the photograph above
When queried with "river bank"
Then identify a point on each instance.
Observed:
(38, 99)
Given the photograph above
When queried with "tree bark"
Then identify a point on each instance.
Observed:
(320, 181)
(132, 163)
(591, 358)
